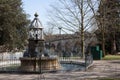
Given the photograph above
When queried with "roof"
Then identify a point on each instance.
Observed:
(36, 23)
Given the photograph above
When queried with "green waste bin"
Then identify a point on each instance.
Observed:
(97, 48)
(100, 54)
(96, 53)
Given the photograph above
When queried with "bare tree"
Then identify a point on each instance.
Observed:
(100, 21)
(74, 16)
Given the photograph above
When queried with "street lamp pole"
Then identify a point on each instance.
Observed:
(60, 41)
(60, 28)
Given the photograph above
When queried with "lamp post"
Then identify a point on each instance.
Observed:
(35, 37)
(60, 28)
(60, 44)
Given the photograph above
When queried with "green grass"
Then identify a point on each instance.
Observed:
(109, 79)
(112, 57)
(104, 79)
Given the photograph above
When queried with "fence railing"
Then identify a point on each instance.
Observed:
(88, 60)
(10, 62)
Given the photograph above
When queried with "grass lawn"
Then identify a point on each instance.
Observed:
(104, 79)
(112, 57)
(109, 79)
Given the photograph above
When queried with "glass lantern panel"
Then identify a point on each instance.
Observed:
(39, 34)
(35, 34)
(31, 34)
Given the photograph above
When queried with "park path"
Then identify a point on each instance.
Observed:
(100, 68)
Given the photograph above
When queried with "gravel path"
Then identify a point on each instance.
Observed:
(99, 69)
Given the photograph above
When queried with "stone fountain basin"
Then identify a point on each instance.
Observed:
(48, 64)
(43, 63)
(32, 65)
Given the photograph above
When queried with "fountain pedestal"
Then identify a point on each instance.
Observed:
(37, 64)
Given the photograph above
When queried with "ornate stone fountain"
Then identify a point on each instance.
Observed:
(34, 57)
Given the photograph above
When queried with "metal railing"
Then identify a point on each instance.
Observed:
(88, 60)
(10, 62)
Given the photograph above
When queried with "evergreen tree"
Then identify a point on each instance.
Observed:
(13, 24)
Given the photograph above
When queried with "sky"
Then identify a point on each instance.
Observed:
(39, 6)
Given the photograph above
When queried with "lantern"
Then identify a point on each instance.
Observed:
(35, 29)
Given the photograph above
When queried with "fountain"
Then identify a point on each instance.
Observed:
(40, 56)
(35, 58)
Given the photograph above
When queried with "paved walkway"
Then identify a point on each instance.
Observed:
(99, 69)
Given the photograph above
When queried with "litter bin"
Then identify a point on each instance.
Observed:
(96, 53)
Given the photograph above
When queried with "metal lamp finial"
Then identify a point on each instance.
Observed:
(36, 15)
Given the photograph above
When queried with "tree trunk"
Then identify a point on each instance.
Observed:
(82, 42)
(103, 37)
(113, 49)
(103, 43)
(82, 30)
